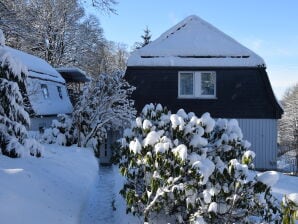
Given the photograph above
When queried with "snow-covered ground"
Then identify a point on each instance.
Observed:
(285, 185)
(66, 186)
(106, 205)
(52, 189)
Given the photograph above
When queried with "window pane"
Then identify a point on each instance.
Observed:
(186, 83)
(59, 91)
(208, 83)
(45, 92)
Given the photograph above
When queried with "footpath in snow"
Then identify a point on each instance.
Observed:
(100, 207)
(105, 205)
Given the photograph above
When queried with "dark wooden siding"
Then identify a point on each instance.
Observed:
(240, 92)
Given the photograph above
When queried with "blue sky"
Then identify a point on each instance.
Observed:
(270, 28)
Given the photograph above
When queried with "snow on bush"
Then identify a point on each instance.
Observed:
(184, 168)
(290, 208)
(104, 106)
(60, 132)
(14, 118)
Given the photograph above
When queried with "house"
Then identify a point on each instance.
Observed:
(75, 80)
(46, 90)
(197, 67)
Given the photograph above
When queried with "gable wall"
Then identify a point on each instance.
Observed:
(241, 92)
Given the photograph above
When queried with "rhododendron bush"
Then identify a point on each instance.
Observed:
(183, 168)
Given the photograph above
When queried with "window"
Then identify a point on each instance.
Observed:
(186, 84)
(59, 91)
(208, 84)
(45, 91)
(197, 84)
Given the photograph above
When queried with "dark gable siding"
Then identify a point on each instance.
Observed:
(241, 92)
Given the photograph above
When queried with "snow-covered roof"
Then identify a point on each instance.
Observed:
(195, 42)
(73, 74)
(38, 68)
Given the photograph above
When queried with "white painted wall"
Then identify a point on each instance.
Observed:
(262, 133)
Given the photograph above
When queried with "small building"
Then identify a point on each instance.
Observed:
(46, 90)
(197, 67)
(75, 80)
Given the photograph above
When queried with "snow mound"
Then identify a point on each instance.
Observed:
(269, 178)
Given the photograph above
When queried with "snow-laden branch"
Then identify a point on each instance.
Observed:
(104, 105)
(161, 191)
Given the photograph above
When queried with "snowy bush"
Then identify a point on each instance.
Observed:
(14, 118)
(182, 168)
(104, 106)
(60, 132)
(290, 208)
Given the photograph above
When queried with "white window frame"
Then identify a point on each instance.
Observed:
(196, 86)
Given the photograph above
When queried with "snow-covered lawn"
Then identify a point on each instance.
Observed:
(65, 187)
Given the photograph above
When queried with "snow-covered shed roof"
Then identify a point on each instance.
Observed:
(73, 74)
(49, 100)
(37, 67)
(195, 42)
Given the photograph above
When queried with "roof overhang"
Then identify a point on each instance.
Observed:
(73, 74)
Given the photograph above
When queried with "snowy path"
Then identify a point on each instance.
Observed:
(105, 205)
(99, 209)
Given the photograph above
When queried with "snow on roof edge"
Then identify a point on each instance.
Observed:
(35, 64)
(136, 60)
(65, 69)
(76, 70)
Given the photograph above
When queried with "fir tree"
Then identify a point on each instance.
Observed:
(146, 39)
(14, 141)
